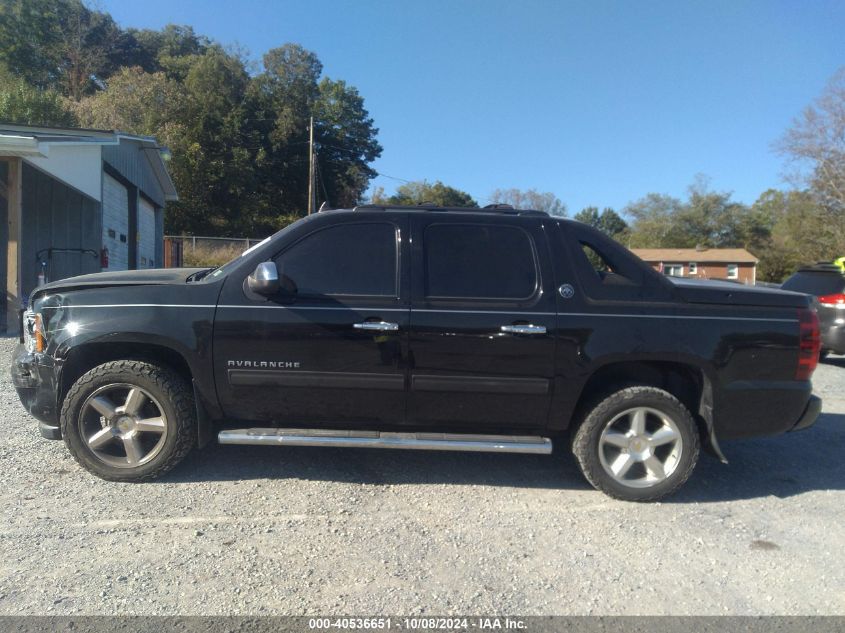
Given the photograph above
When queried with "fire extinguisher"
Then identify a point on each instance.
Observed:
(104, 258)
(42, 275)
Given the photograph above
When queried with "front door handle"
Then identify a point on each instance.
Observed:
(377, 326)
(524, 329)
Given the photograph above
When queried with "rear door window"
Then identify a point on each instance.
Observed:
(479, 261)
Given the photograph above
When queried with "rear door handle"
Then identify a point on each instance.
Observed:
(377, 326)
(524, 329)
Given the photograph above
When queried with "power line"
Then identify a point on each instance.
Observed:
(378, 173)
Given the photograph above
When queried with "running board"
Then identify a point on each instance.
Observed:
(376, 439)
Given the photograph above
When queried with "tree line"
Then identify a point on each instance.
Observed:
(237, 132)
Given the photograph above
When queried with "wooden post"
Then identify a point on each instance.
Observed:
(13, 252)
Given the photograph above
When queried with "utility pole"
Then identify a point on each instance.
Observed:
(312, 171)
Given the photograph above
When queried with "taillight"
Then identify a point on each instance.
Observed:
(833, 301)
(809, 343)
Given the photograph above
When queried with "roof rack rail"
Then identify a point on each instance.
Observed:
(498, 206)
(428, 207)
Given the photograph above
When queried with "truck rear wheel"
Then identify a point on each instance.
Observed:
(129, 420)
(639, 444)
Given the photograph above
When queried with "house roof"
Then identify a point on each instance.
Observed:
(701, 256)
(35, 141)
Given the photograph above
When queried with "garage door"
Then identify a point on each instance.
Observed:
(146, 234)
(116, 223)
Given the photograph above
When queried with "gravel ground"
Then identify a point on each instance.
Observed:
(261, 530)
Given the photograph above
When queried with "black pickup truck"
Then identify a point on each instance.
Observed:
(430, 328)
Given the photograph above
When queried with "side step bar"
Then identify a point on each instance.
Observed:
(376, 439)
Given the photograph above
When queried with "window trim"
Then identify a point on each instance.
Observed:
(538, 282)
(668, 267)
(397, 289)
(728, 271)
(693, 268)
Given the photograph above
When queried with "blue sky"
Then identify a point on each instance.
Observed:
(599, 102)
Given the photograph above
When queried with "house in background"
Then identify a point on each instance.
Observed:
(76, 201)
(735, 264)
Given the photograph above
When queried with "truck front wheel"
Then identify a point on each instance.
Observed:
(129, 420)
(638, 444)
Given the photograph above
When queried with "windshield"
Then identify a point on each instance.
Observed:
(819, 284)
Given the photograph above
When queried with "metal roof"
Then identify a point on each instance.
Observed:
(35, 141)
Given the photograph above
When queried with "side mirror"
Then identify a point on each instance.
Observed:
(265, 279)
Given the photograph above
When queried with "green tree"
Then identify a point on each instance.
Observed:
(346, 141)
(802, 233)
(158, 50)
(23, 104)
(424, 192)
(58, 44)
(607, 221)
(138, 102)
(529, 199)
(281, 100)
(707, 218)
(653, 222)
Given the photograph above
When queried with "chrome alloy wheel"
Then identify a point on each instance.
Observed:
(640, 447)
(123, 425)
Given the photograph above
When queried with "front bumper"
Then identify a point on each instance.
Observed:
(36, 380)
(810, 415)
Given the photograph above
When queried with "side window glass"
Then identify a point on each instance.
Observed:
(603, 265)
(479, 261)
(346, 259)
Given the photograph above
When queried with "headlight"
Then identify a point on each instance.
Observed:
(33, 332)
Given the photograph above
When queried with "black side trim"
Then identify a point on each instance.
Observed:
(323, 379)
(465, 384)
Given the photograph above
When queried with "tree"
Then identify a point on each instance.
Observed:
(708, 218)
(801, 233)
(239, 140)
(346, 141)
(653, 222)
(138, 102)
(281, 101)
(23, 104)
(158, 50)
(607, 221)
(816, 142)
(422, 192)
(58, 44)
(529, 199)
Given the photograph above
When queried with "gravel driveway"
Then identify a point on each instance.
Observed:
(262, 530)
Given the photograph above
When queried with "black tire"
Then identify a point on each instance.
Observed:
(586, 444)
(172, 397)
